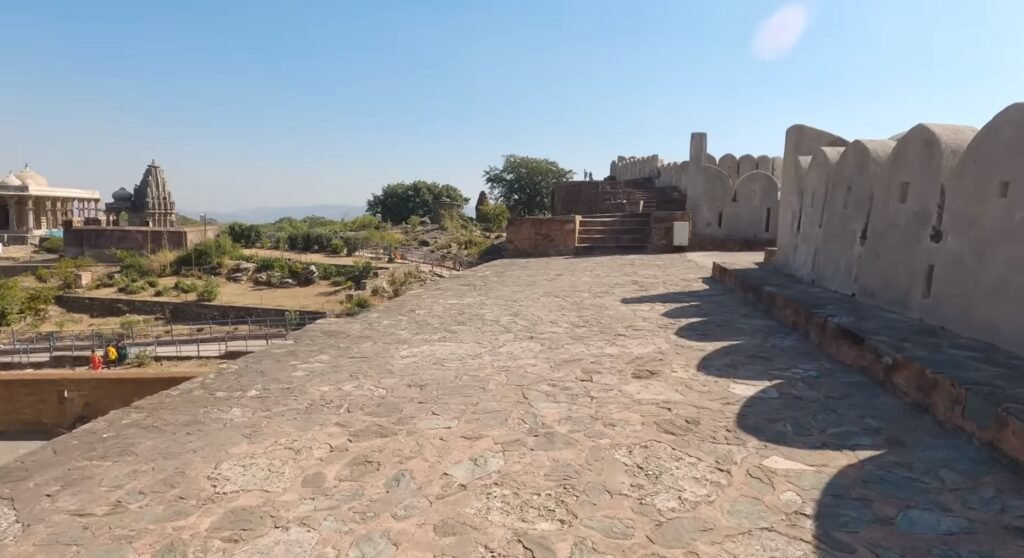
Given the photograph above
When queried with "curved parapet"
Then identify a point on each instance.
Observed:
(746, 164)
(709, 159)
(753, 209)
(816, 185)
(764, 164)
(729, 165)
(708, 194)
(977, 279)
(801, 141)
(907, 202)
(855, 174)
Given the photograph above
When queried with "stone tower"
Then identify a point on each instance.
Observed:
(152, 199)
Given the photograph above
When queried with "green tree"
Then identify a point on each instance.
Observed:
(492, 217)
(523, 184)
(398, 201)
(243, 234)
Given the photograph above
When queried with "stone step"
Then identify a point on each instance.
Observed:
(614, 229)
(599, 250)
(595, 240)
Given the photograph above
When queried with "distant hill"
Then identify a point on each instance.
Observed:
(271, 214)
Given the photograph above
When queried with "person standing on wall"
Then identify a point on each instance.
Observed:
(111, 356)
(95, 362)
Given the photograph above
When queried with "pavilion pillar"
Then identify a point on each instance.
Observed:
(30, 214)
(12, 213)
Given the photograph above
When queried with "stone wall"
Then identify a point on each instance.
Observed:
(16, 269)
(52, 402)
(96, 242)
(927, 224)
(542, 236)
(98, 306)
(597, 197)
(662, 229)
(735, 198)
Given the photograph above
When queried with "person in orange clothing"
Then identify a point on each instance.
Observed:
(95, 362)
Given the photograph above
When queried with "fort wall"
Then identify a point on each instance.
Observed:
(925, 225)
(724, 203)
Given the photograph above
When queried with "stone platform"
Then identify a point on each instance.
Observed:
(965, 383)
(564, 407)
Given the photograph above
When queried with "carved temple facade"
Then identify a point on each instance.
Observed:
(149, 204)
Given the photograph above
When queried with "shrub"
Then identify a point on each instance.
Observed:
(162, 262)
(186, 286)
(363, 223)
(144, 358)
(356, 304)
(209, 252)
(342, 282)
(360, 271)
(42, 274)
(471, 243)
(209, 291)
(152, 282)
(18, 302)
(493, 217)
(162, 290)
(414, 221)
(132, 288)
(128, 323)
(337, 247)
(52, 245)
(351, 243)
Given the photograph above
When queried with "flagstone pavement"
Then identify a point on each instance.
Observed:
(563, 407)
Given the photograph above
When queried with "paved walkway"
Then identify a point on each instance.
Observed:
(582, 407)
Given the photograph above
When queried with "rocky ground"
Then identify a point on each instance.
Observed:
(580, 407)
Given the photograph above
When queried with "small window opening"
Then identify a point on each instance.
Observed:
(719, 219)
(929, 274)
(767, 219)
(904, 191)
(1004, 189)
(846, 197)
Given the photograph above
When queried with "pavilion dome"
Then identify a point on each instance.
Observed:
(29, 177)
(122, 195)
(10, 180)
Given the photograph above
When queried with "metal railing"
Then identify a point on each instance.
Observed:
(209, 338)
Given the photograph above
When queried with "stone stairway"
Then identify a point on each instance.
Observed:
(613, 233)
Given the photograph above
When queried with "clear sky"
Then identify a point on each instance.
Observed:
(254, 103)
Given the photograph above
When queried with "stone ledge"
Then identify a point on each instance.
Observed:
(971, 385)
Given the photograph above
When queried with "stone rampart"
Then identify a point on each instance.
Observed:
(53, 402)
(542, 236)
(99, 306)
(97, 242)
(926, 224)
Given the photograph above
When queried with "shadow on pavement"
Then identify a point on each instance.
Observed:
(917, 489)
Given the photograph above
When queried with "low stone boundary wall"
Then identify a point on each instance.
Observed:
(99, 306)
(15, 269)
(531, 237)
(51, 403)
(965, 383)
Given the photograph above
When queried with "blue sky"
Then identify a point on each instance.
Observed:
(259, 103)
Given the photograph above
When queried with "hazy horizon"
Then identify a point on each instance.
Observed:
(266, 104)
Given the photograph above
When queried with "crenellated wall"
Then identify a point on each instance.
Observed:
(927, 225)
(730, 197)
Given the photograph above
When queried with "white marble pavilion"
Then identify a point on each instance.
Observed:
(29, 206)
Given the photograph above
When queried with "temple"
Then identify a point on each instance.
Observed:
(31, 208)
(149, 205)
